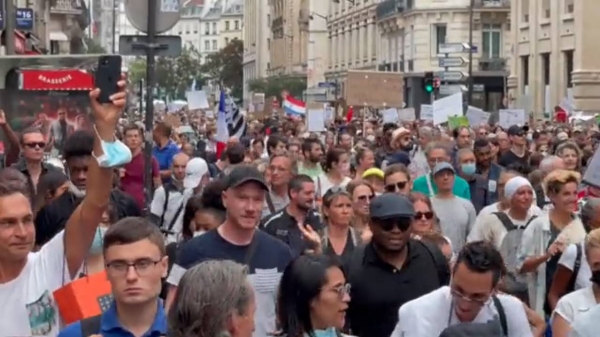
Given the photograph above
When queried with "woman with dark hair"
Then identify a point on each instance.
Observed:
(50, 186)
(313, 298)
(337, 171)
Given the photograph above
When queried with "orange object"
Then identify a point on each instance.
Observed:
(84, 297)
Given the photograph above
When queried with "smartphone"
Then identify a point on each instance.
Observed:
(108, 74)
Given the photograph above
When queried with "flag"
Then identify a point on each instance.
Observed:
(193, 86)
(350, 114)
(294, 107)
(222, 130)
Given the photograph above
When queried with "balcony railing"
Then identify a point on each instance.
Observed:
(389, 8)
(66, 6)
(492, 64)
(492, 4)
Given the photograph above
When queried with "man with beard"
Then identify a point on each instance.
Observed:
(404, 269)
(312, 149)
(60, 129)
(285, 223)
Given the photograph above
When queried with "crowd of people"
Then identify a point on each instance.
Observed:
(368, 229)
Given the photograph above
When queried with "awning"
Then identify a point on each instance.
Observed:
(57, 80)
(58, 36)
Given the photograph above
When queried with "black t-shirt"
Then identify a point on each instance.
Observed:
(510, 158)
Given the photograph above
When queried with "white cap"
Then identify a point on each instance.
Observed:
(399, 132)
(195, 169)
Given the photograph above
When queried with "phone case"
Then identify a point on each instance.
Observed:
(107, 76)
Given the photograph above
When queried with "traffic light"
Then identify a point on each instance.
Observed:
(428, 82)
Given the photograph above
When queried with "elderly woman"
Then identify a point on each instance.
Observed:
(214, 299)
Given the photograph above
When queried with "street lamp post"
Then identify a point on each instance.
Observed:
(470, 80)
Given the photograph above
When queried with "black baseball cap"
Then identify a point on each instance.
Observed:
(242, 174)
(391, 206)
(516, 130)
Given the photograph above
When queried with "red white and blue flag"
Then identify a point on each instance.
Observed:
(294, 107)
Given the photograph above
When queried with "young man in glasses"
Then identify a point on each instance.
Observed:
(403, 268)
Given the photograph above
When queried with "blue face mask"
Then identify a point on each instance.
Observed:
(331, 332)
(468, 169)
(96, 248)
(115, 154)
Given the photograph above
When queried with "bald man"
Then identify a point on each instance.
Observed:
(180, 161)
(232, 141)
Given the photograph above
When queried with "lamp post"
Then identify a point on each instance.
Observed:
(470, 80)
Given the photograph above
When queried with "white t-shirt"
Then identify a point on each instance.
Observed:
(572, 305)
(326, 184)
(429, 315)
(28, 304)
(567, 259)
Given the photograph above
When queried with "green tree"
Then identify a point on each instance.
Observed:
(226, 67)
(274, 85)
(174, 76)
(93, 47)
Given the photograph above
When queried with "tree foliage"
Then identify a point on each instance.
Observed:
(174, 76)
(226, 67)
(93, 47)
(273, 86)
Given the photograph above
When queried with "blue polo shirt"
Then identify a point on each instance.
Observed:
(110, 326)
(165, 155)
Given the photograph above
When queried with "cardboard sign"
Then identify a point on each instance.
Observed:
(374, 89)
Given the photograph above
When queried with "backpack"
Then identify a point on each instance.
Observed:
(514, 284)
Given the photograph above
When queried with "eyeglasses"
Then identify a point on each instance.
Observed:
(458, 296)
(40, 145)
(142, 267)
(388, 225)
(427, 215)
(366, 197)
(343, 290)
(399, 185)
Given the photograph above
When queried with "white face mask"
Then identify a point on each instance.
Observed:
(198, 233)
(371, 138)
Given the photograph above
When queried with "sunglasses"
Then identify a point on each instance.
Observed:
(427, 215)
(389, 224)
(41, 145)
(399, 185)
(365, 197)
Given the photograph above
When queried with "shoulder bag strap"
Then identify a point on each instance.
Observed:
(166, 204)
(270, 203)
(576, 267)
(505, 220)
(174, 220)
(91, 326)
(501, 315)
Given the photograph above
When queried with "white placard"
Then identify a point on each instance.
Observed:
(315, 120)
(197, 100)
(390, 115)
(592, 173)
(169, 6)
(447, 107)
(328, 114)
(510, 117)
(477, 117)
(407, 115)
(426, 112)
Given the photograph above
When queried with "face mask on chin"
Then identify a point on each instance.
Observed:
(78, 192)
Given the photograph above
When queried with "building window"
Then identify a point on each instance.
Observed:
(546, 68)
(207, 28)
(214, 44)
(525, 71)
(546, 9)
(525, 11)
(206, 45)
(214, 28)
(439, 37)
(268, 44)
(491, 41)
(54, 47)
(569, 67)
(236, 24)
(569, 6)
(226, 25)
(226, 41)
